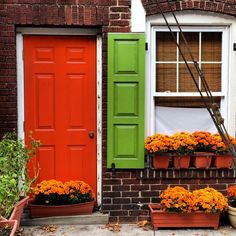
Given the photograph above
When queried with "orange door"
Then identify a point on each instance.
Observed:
(60, 105)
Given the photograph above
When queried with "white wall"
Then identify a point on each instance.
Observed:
(138, 19)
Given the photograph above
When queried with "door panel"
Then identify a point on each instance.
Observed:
(60, 105)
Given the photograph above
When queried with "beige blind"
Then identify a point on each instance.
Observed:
(172, 74)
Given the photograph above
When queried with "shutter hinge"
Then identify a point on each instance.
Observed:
(146, 46)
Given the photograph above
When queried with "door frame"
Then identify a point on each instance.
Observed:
(20, 32)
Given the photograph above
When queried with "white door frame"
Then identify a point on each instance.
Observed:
(21, 31)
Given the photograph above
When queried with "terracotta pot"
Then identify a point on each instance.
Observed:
(60, 210)
(18, 210)
(202, 160)
(161, 161)
(181, 162)
(161, 218)
(222, 161)
(12, 224)
(232, 216)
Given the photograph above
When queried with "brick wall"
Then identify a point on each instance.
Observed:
(126, 195)
(109, 15)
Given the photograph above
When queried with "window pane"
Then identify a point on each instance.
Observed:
(165, 47)
(192, 39)
(212, 74)
(211, 46)
(166, 77)
(186, 83)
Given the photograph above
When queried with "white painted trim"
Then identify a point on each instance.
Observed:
(20, 84)
(138, 16)
(99, 119)
(194, 20)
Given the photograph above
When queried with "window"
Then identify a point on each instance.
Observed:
(172, 74)
(171, 83)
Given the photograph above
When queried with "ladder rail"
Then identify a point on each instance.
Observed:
(208, 101)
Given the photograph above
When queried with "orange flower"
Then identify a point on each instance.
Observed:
(55, 192)
(179, 199)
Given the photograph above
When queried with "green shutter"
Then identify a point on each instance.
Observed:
(126, 79)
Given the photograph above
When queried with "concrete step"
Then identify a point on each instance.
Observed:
(95, 218)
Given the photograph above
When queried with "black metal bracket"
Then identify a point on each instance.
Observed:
(113, 169)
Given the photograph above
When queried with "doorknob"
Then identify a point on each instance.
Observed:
(91, 134)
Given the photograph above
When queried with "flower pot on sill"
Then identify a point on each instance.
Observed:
(222, 161)
(8, 227)
(161, 218)
(161, 161)
(18, 210)
(202, 160)
(37, 211)
(182, 162)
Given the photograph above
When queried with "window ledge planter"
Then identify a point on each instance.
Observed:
(161, 218)
(222, 161)
(181, 161)
(37, 211)
(202, 160)
(161, 160)
(8, 227)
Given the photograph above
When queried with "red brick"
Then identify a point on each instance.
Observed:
(119, 213)
(111, 207)
(121, 200)
(139, 213)
(130, 194)
(128, 219)
(121, 187)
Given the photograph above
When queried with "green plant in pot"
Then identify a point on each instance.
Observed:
(14, 181)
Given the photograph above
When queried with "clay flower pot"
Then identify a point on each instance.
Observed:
(8, 227)
(222, 161)
(161, 218)
(18, 210)
(161, 161)
(202, 160)
(182, 162)
(232, 216)
(59, 210)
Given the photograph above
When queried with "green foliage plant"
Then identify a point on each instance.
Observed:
(14, 181)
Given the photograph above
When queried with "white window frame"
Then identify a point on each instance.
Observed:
(198, 20)
(224, 60)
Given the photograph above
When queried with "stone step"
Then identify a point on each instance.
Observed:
(95, 218)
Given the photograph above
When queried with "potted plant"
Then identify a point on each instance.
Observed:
(231, 195)
(182, 208)
(55, 198)
(203, 151)
(159, 146)
(222, 158)
(183, 145)
(14, 182)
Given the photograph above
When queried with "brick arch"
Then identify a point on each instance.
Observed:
(218, 6)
